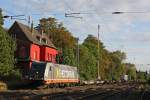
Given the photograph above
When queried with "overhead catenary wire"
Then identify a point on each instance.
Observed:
(76, 14)
(18, 17)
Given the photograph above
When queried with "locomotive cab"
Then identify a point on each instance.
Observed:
(48, 71)
(37, 71)
(51, 73)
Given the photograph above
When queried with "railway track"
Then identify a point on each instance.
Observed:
(90, 94)
(80, 93)
(145, 94)
(99, 95)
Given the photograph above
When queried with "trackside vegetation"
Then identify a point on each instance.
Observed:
(7, 49)
(112, 65)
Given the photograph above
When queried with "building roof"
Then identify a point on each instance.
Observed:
(31, 35)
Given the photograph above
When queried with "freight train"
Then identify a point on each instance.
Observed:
(50, 73)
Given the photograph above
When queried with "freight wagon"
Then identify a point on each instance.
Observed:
(53, 73)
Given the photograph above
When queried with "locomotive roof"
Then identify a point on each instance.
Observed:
(31, 35)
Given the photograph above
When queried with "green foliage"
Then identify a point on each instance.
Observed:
(6, 54)
(148, 78)
(88, 62)
(61, 38)
(58, 34)
(117, 67)
(111, 65)
(7, 48)
(130, 71)
(1, 17)
(110, 68)
(69, 57)
(142, 76)
(118, 56)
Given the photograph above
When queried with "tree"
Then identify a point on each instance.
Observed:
(111, 63)
(61, 38)
(1, 17)
(118, 56)
(87, 68)
(57, 33)
(69, 57)
(117, 67)
(130, 71)
(7, 48)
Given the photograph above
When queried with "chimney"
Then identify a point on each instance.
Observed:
(29, 18)
(32, 27)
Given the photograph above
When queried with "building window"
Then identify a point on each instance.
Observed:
(13, 36)
(35, 55)
(44, 41)
(53, 57)
(22, 52)
(50, 57)
(38, 38)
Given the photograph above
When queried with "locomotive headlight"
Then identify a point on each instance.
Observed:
(37, 72)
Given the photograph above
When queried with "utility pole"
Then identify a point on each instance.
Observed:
(98, 74)
(78, 54)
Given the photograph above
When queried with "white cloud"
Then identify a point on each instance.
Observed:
(115, 29)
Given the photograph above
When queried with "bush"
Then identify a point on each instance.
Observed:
(3, 86)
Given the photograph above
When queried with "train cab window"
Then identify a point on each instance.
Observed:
(38, 66)
(35, 67)
(50, 68)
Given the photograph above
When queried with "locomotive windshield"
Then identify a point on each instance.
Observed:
(37, 71)
(38, 66)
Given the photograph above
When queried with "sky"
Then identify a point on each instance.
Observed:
(128, 32)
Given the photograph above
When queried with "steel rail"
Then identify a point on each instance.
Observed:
(142, 95)
(93, 94)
